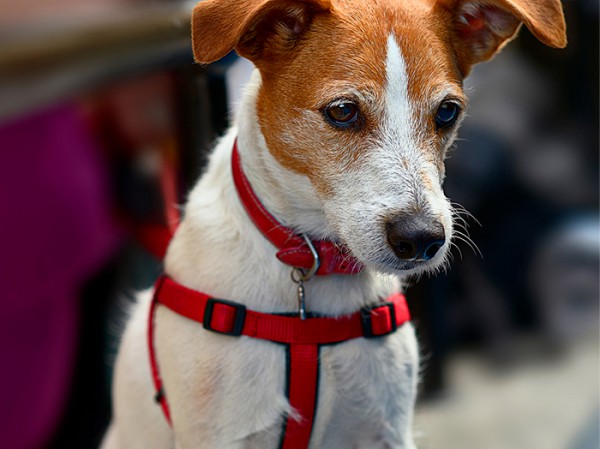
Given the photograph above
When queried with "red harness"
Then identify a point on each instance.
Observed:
(301, 337)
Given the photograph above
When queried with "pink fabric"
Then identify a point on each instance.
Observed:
(55, 230)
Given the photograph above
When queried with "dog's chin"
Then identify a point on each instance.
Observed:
(390, 264)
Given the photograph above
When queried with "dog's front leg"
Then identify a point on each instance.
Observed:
(223, 392)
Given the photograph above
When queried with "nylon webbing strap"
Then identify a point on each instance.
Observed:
(303, 375)
(156, 379)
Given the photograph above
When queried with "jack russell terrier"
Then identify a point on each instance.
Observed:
(279, 322)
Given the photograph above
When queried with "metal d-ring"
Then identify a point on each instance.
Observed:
(299, 277)
(317, 262)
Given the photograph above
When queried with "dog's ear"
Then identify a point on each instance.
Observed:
(482, 27)
(257, 29)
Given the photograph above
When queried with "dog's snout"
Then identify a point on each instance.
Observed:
(415, 237)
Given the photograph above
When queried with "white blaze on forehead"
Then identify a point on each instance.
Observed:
(398, 107)
(400, 156)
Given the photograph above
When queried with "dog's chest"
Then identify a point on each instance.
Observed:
(365, 394)
(366, 390)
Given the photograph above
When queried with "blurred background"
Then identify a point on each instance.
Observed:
(104, 121)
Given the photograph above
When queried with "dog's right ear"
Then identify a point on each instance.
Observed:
(257, 29)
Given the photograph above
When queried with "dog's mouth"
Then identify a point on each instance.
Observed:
(386, 262)
(409, 266)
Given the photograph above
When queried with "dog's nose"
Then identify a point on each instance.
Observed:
(415, 237)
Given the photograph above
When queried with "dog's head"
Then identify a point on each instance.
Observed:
(365, 97)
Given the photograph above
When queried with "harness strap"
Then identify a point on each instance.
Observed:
(156, 379)
(303, 381)
(303, 337)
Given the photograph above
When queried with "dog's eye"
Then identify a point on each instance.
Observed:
(342, 114)
(447, 114)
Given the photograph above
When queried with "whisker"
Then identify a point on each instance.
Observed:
(466, 239)
(459, 209)
(460, 219)
(454, 245)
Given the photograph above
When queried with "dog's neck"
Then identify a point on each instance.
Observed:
(218, 250)
(290, 197)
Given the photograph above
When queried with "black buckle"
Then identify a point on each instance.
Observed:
(240, 316)
(160, 394)
(366, 317)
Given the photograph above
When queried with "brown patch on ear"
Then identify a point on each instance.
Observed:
(482, 27)
(254, 28)
(276, 30)
(218, 26)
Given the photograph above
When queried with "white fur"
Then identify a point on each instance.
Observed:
(227, 392)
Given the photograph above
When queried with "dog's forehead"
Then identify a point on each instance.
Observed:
(407, 30)
(349, 48)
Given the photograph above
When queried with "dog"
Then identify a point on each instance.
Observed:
(341, 137)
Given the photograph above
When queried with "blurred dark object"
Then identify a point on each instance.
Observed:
(564, 280)
(526, 166)
(88, 399)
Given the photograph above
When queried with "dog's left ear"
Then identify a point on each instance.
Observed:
(257, 29)
(482, 27)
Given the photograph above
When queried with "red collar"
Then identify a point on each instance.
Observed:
(293, 250)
